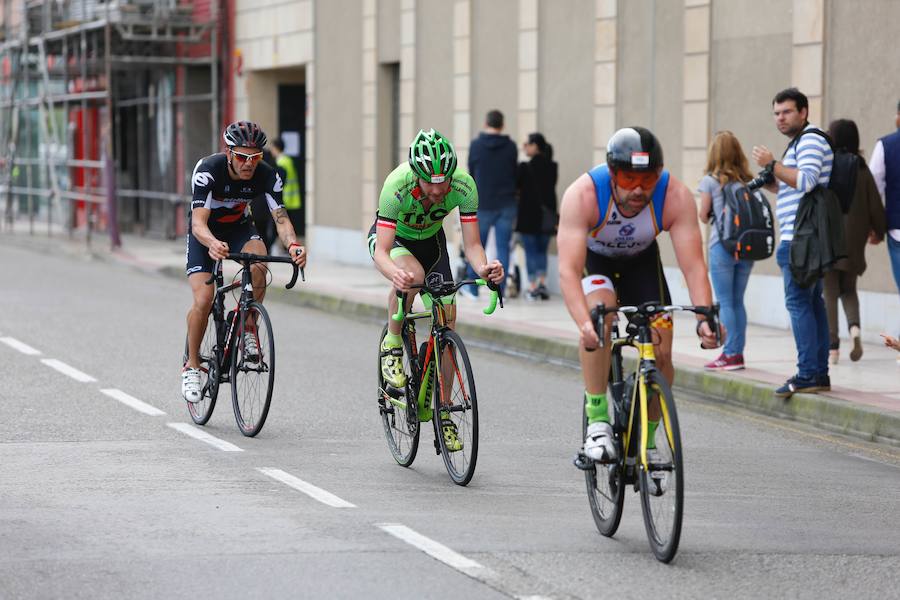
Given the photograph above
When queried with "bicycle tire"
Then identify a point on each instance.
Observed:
(605, 483)
(460, 463)
(252, 380)
(663, 514)
(401, 426)
(209, 368)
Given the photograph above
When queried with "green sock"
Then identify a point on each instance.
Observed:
(595, 408)
(651, 433)
(392, 340)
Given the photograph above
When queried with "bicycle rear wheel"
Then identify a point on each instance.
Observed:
(606, 482)
(252, 375)
(399, 415)
(209, 374)
(662, 500)
(455, 394)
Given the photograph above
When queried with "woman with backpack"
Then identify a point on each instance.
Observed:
(726, 165)
(863, 221)
(536, 183)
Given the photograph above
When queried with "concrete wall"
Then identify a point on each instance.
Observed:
(494, 54)
(338, 114)
(565, 93)
(434, 65)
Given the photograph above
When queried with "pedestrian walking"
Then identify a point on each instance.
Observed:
(864, 222)
(492, 163)
(804, 166)
(538, 217)
(726, 165)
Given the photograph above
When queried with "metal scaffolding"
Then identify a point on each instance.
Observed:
(101, 104)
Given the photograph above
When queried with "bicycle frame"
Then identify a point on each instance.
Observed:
(438, 315)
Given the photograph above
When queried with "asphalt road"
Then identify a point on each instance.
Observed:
(100, 500)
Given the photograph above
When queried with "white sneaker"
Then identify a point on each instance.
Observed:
(599, 444)
(659, 480)
(190, 385)
(251, 348)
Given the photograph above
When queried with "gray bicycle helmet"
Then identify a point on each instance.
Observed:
(634, 149)
(245, 134)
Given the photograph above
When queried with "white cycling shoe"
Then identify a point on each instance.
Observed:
(599, 444)
(658, 480)
(190, 385)
(251, 348)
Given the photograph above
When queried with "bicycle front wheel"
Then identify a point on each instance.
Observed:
(399, 416)
(456, 427)
(209, 374)
(606, 482)
(252, 369)
(662, 484)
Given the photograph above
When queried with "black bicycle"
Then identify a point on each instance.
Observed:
(238, 349)
(439, 380)
(652, 465)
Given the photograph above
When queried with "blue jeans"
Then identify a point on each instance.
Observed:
(809, 321)
(501, 219)
(894, 252)
(729, 279)
(536, 255)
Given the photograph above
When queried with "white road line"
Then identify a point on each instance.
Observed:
(316, 493)
(67, 370)
(435, 549)
(205, 437)
(20, 346)
(133, 402)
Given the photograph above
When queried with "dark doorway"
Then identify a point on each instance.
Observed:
(292, 129)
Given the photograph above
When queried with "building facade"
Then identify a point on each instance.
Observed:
(372, 72)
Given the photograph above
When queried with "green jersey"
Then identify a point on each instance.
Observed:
(400, 205)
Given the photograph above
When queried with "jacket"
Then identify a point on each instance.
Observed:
(492, 162)
(818, 241)
(536, 182)
(866, 214)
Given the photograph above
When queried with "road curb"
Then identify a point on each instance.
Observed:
(832, 414)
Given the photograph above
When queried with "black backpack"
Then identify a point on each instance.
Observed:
(844, 170)
(746, 226)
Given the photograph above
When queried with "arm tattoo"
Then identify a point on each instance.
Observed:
(280, 215)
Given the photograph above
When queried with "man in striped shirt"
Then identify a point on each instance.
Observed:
(805, 165)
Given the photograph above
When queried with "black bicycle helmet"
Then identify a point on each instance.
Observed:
(245, 134)
(634, 149)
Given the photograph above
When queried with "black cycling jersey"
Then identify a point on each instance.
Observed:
(229, 199)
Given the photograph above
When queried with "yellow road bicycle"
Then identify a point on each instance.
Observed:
(653, 466)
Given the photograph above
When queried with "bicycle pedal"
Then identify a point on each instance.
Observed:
(394, 392)
(582, 462)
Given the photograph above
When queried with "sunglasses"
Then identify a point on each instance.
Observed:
(629, 180)
(241, 157)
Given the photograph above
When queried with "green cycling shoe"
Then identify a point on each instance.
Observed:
(392, 367)
(451, 439)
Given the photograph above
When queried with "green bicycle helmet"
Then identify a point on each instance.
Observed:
(431, 156)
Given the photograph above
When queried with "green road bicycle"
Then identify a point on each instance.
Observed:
(653, 466)
(439, 377)
(222, 354)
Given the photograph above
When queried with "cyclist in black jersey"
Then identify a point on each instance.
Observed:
(223, 186)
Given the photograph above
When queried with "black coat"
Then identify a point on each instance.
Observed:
(536, 183)
(818, 241)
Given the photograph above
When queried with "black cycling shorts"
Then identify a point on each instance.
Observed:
(430, 252)
(636, 279)
(197, 255)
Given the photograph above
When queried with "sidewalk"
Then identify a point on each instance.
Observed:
(865, 396)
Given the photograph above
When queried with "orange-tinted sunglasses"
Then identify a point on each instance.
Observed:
(241, 157)
(629, 180)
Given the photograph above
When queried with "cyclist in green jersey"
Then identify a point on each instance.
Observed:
(407, 241)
